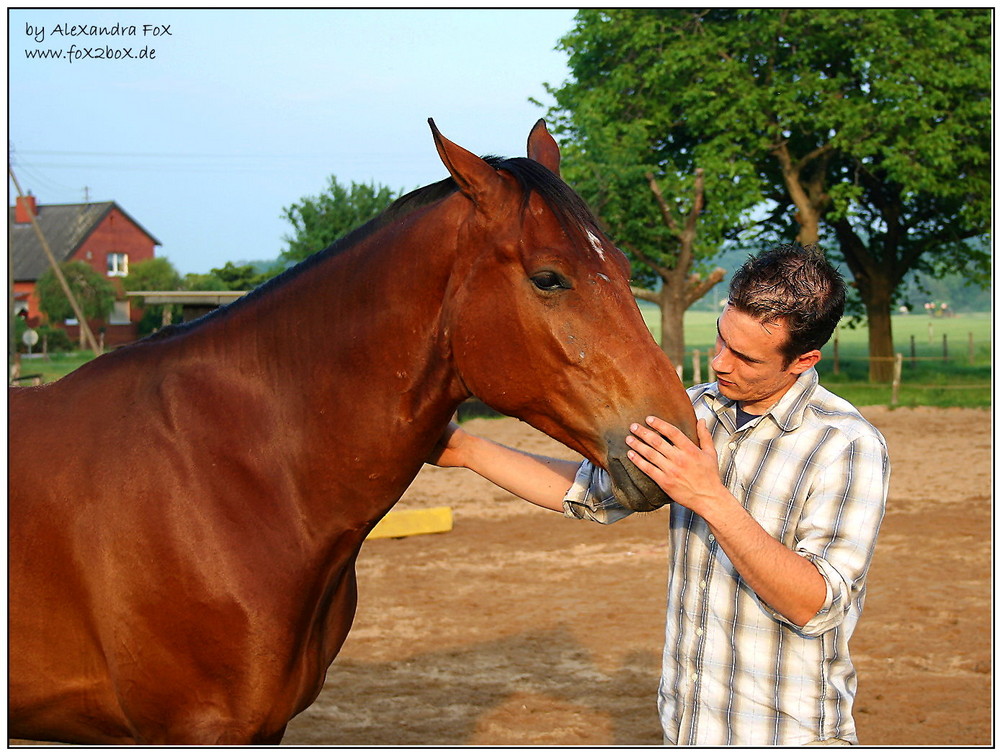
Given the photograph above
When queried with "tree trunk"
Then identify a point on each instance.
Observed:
(873, 278)
(672, 311)
(878, 303)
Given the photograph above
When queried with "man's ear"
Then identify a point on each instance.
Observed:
(807, 360)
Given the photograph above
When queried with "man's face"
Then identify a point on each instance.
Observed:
(749, 364)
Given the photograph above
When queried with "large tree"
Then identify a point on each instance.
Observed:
(320, 220)
(864, 129)
(669, 213)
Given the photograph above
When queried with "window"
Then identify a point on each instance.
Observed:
(117, 264)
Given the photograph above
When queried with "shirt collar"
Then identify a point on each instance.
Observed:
(787, 412)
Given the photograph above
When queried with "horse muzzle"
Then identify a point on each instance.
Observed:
(632, 487)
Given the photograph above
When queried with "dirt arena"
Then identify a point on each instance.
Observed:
(520, 627)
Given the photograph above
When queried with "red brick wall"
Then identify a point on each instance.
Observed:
(115, 234)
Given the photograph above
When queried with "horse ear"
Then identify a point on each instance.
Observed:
(474, 176)
(542, 147)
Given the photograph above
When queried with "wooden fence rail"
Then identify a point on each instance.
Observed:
(897, 371)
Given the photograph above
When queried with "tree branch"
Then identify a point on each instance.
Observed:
(698, 287)
(668, 217)
(659, 269)
(645, 294)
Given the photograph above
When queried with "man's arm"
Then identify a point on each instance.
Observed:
(537, 479)
(785, 580)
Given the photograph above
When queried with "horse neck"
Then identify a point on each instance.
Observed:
(357, 342)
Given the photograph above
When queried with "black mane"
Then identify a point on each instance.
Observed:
(572, 211)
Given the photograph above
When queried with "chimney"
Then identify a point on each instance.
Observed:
(21, 209)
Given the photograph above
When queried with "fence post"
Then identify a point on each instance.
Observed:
(836, 351)
(897, 373)
(913, 349)
(972, 351)
(696, 366)
(711, 372)
(944, 345)
(680, 372)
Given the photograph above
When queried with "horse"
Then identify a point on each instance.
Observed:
(185, 513)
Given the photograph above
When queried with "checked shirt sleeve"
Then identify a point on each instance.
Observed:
(839, 525)
(591, 497)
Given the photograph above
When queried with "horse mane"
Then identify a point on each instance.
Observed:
(572, 212)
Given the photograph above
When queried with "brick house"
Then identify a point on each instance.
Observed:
(101, 234)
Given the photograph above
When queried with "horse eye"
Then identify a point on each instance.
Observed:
(547, 280)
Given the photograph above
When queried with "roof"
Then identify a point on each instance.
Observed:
(65, 226)
(218, 298)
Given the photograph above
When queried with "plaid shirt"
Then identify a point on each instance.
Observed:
(814, 474)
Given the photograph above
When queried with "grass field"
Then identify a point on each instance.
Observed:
(928, 380)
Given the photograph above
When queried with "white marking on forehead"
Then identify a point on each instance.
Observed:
(595, 244)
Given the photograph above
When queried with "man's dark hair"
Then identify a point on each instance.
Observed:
(797, 285)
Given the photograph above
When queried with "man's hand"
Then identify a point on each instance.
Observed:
(785, 580)
(689, 474)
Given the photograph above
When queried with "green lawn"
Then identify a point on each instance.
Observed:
(928, 379)
(55, 365)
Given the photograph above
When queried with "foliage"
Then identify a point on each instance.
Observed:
(670, 213)
(320, 220)
(156, 274)
(50, 339)
(242, 277)
(196, 281)
(865, 129)
(93, 292)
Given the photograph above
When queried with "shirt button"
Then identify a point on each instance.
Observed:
(711, 537)
(702, 583)
(694, 677)
(732, 446)
(698, 632)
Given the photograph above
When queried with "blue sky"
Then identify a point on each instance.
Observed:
(243, 112)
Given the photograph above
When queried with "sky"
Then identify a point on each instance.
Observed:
(221, 118)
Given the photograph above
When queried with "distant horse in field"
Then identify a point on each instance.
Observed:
(185, 513)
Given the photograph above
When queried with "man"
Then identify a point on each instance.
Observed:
(773, 522)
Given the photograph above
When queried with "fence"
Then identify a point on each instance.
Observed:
(898, 360)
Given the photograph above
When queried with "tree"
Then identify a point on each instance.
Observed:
(320, 220)
(198, 281)
(680, 286)
(671, 215)
(92, 291)
(242, 277)
(867, 130)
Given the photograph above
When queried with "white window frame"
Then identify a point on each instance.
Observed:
(117, 264)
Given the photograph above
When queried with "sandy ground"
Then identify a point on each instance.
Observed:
(520, 627)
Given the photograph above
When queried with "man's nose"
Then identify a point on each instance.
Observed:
(721, 363)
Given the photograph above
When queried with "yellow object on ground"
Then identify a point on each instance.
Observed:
(406, 523)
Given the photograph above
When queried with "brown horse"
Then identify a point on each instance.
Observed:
(185, 513)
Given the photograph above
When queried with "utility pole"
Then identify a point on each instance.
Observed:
(84, 327)
(11, 327)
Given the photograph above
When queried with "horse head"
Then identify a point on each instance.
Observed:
(541, 320)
